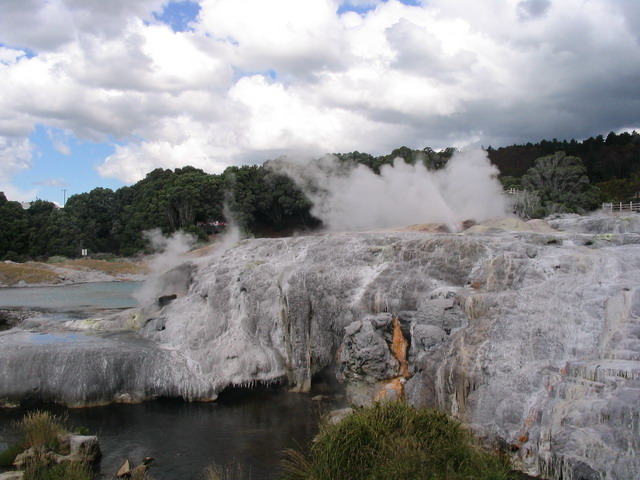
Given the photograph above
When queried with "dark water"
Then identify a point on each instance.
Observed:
(71, 297)
(184, 438)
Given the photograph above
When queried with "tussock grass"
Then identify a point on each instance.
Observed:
(230, 472)
(139, 474)
(393, 441)
(41, 470)
(41, 429)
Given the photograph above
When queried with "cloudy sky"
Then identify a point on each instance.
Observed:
(100, 92)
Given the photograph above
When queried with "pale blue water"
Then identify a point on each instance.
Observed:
(82, 296)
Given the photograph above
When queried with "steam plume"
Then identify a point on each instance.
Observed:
(355, 198)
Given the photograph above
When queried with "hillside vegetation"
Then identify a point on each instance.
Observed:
(265, 203)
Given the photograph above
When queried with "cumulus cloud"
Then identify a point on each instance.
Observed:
(15, 155)
(52, 182)
(251, 79)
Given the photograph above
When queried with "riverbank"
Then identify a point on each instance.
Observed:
(70, 271)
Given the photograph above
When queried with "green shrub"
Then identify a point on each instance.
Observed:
(390, 441)
(9, 455)
(41, 429)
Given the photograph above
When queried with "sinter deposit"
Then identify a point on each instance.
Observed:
(528, 334)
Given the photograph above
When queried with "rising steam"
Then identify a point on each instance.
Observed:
(355, 198)
(170, 253)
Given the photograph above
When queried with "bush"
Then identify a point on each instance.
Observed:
(15, 257)
(109, 257)
(390, 441)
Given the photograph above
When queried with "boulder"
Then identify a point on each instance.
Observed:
(85, 448)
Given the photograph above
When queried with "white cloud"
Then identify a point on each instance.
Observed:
(15, 156)
(255, 79)
(52, 182)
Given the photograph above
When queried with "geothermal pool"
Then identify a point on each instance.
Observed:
(71, 297)
(184, 438)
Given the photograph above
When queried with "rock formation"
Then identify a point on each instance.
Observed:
(530, 335)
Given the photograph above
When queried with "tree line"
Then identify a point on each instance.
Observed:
(263, 202)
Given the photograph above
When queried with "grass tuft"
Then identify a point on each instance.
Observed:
(393, 441)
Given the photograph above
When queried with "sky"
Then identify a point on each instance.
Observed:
(98, 93)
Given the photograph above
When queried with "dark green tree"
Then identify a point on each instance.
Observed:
(561, 184)
(14, 230)
(93, 214)
(39, 214)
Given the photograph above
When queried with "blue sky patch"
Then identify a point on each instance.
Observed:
(54, 171)
(178, 15)
(360, 9)
(365, 8)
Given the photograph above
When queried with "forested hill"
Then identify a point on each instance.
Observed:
(104, 221)
(616, 156)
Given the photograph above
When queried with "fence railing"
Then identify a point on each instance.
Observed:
(621, 206)
(513, 191)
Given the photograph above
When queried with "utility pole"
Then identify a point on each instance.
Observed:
(64, 197)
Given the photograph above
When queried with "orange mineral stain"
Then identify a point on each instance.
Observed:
(399, 347)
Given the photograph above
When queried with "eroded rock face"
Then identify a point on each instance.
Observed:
(498, 324)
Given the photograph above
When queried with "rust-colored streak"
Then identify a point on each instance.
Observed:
(399, 347)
